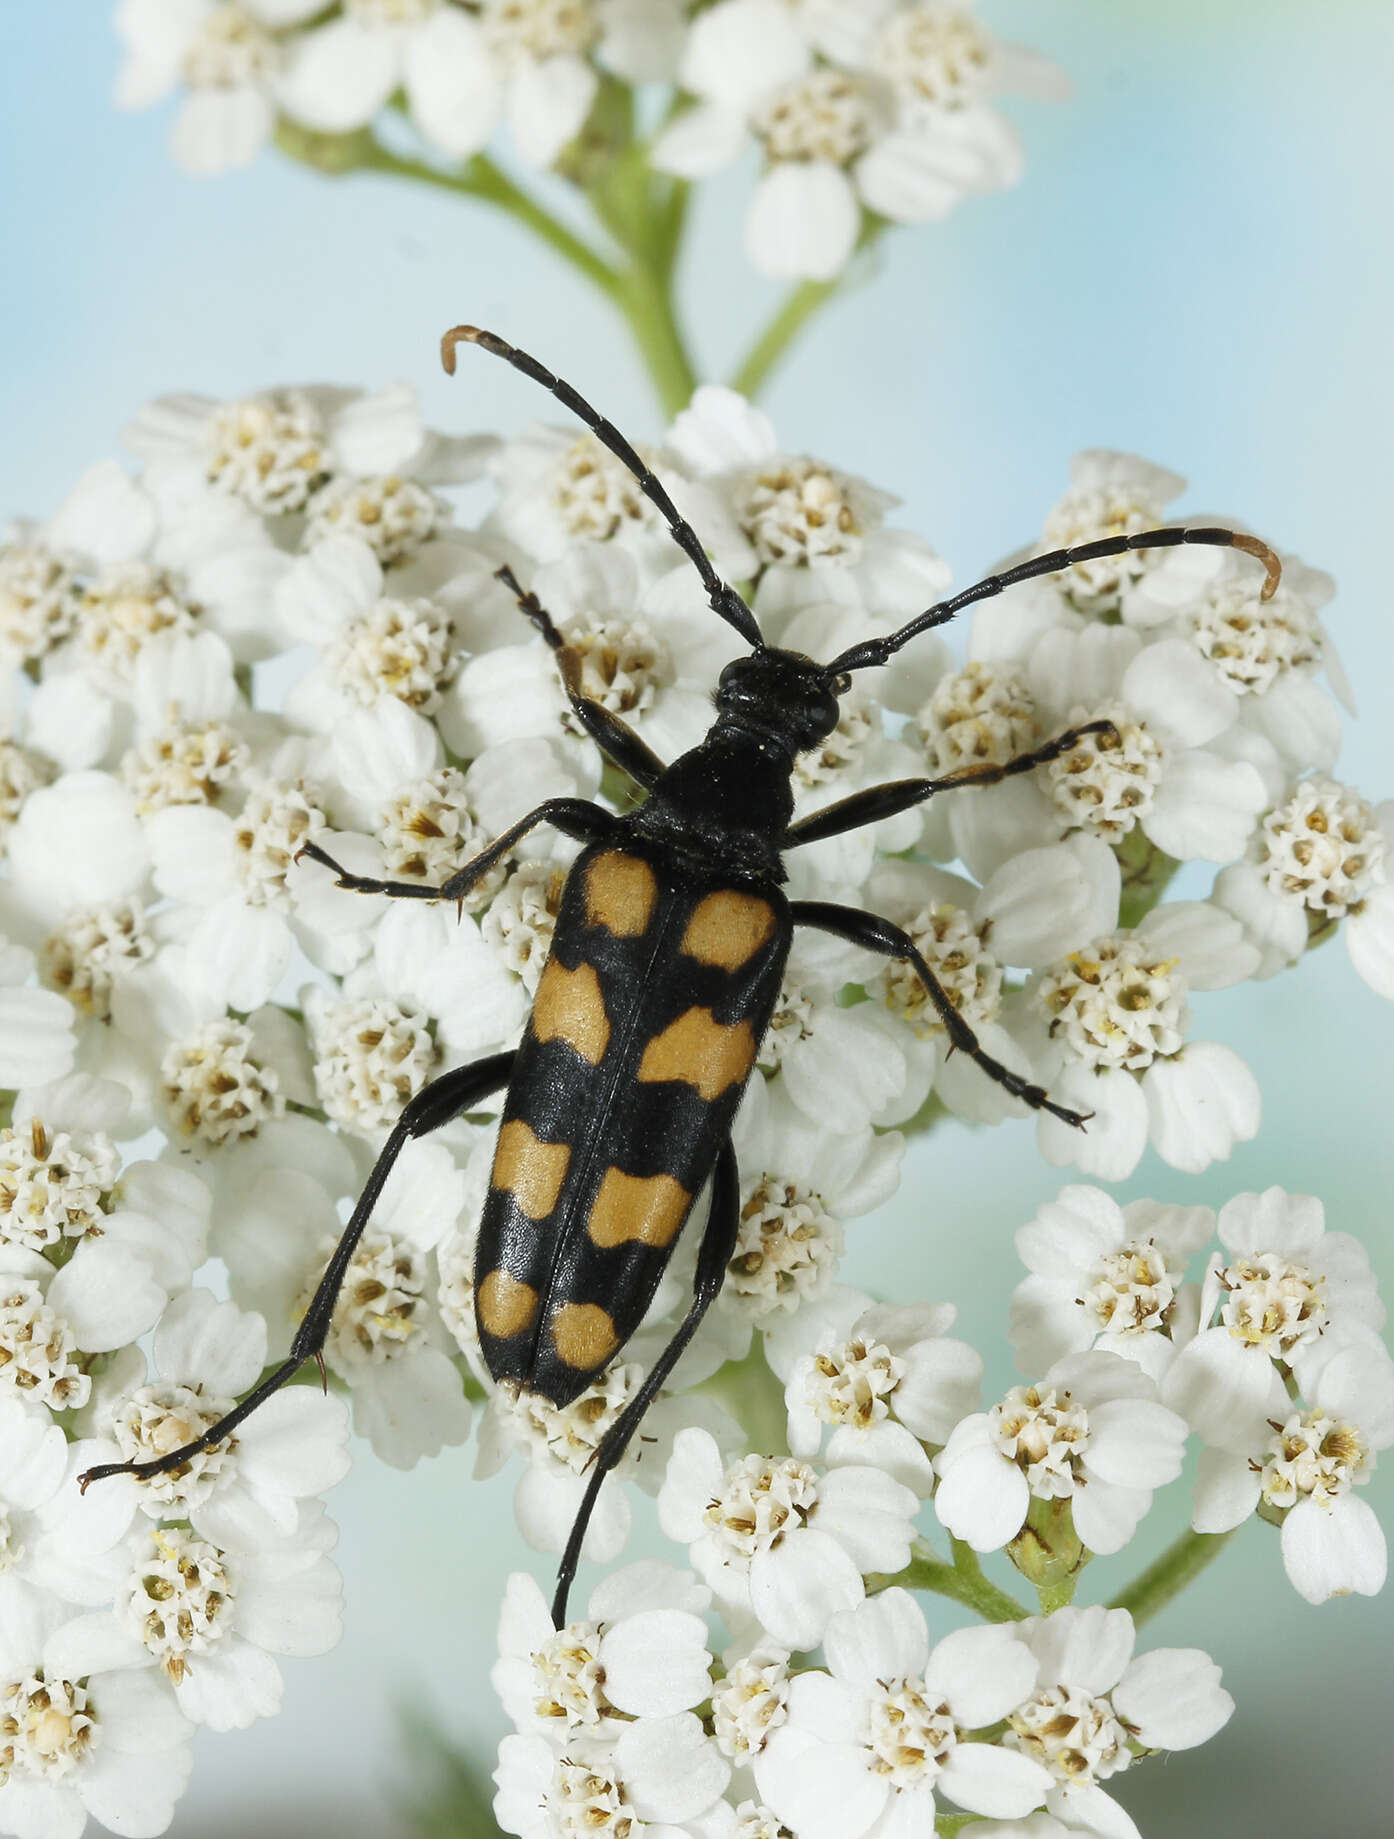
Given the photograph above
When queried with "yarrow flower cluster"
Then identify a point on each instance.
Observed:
(861, 114)
(834, 1709)
(170, 963)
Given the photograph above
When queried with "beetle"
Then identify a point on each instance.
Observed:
(665, 968)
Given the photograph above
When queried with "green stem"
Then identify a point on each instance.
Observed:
(1184, 1559)
(799, 306)
(642, 291)
(962, 1580)
(646, 300)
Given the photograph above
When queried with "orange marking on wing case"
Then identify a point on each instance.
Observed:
(620, 894)
(728, 928)
(569, 1007)
(649, 1208)
(506, 1306)
(529, 1169)
(584, 1335)
(701, 1052)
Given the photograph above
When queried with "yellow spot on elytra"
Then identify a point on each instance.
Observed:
(620, 894)
(506, 1306)
(584, 1335)
(727, 928)
(649, 1208)
(701, 1052)
(529, 1169)
(569, 1007)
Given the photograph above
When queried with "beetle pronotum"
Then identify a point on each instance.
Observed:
(665, 967)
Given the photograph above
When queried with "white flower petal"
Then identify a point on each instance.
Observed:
(797, 1587)
(1335, 1552)
(982, 1498)
(1200, 1104)
(671, 1767)
(1174, 1698)
(452, 84)
(990, 1780)
(338, 76)
(802, 221)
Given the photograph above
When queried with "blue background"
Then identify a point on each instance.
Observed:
(1196, 267)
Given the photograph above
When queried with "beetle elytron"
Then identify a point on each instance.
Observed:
(665, 968)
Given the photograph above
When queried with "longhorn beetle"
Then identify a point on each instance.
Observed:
(665, 968)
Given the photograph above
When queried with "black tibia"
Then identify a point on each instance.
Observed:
(879, 935)
(445, 1098)
(713, 1256)
(614, 737)
(722, 598)
(879, 801)
(877, 651)
(574, 817)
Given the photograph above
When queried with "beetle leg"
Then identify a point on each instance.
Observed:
(614, 737)
(879, 801)
(714, 1254)
(445, 1098)
(880, 935)
(574, 817)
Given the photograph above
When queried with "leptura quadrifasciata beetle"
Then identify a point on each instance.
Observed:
(664, 971)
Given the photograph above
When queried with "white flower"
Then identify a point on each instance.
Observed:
(244, 1490)
(777, 1540)
(1036, 906)
(1105, 1276)
(371, 1057)
(812, 534)
(1091, 1432)
(869, 1744)
(89, 1732)
(559, 1443)
(1158, 771)
(1299, 1469)
(798, 1184)
(1096, 1707)
(751, 1702)
(1268, 652)
(1107, 1029)
(1110, 494)
(237, 874)
(889, 118)
(51, 1534)
(1323, 856)
(462, 70)
(641, 1652)
(653, 668)
(374, 644)
(193, 733)
(885, 1377)
(226, 56)
(662, 1776)
(1286, 1284)
(77, 845)
(844, 1068)
(560, 491)
(386, 1339)
(212, 1619)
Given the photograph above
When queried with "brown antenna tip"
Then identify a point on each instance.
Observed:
(1256, 547)
(457, 335)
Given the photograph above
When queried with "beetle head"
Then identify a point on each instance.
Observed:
(782, 694)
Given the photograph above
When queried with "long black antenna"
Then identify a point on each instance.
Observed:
(877, 651)
(723, 598)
